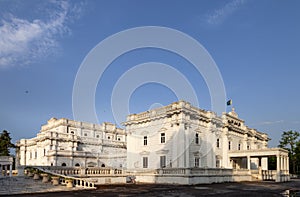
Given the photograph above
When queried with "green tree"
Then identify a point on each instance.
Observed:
(289, 141)
(297, 155)
(5, 143)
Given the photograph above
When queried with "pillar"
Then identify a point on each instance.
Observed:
(10, 170)
(288, 164)
(264, 163)
(278, 163)
(5, 170)
(248, 163)
(282, 163)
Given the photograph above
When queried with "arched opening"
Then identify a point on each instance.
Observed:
(103, 165)
(77, 165)
(63, 164)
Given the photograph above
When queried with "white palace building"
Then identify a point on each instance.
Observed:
(177, 143)
(66, 142)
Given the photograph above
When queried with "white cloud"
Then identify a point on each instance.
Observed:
(217, 16)
(23, 41)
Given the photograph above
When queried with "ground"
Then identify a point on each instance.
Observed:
(224, 189)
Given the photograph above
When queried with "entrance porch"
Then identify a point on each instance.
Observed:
(257, 162)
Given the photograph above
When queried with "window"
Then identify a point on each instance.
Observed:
(108, 137)
(162, 161)
(239, 147)
(85, 134)
(119, 139)
(63, 164)
(229, 145)
(162, 138)
(197, 161)
(145, 141)
(44, 152)
(218, 143)
(145, 162)
(218, 163)
(248, 147)
(197, 138)
(30, 155)
(97, 136)
(35, 155)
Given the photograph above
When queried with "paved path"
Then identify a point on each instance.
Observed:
(221, 189)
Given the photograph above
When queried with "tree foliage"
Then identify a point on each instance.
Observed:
(5, 143)
(290, 141)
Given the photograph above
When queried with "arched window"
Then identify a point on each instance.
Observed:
(218, 143)
(77, 165)
(63, 164)
(103, 165)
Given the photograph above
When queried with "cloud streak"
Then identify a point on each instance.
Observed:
(217, 16)
(23, 41)
(276, 122)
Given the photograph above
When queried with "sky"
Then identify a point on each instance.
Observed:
(44, 44)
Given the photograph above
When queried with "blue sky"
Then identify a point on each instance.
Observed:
(255, 44)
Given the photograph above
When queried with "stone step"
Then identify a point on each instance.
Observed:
(21, 185)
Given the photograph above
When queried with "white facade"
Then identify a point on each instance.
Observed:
(177, 143)
(63, 142)
(182, 136)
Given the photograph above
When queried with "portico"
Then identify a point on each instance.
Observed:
(257, 162)
(6, 164)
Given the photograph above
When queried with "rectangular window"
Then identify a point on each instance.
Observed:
(162, 161)
(218, 143)
(197, 138)
(145, 140)
(162, 138)
(248, 147)
(229, 145)
(218, 163)
(197, 161)
(239, 147)
(145, 162)
(44, 152)
(35, 154)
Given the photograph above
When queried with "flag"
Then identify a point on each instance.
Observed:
(229, 102)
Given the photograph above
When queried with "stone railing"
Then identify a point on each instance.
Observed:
(99, 171)
(57, 178)
(6, 159)
(268, 174)
(211, 171)
(173, 171)
(195, 171)
(86, 172)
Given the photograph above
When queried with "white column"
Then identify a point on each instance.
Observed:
(264, 163)
(281, 163)
(285, 162)
(10, 170)
(288, 163)
(278, 163)
(248, 162)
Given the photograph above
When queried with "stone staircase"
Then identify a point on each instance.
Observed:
(23, 185)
